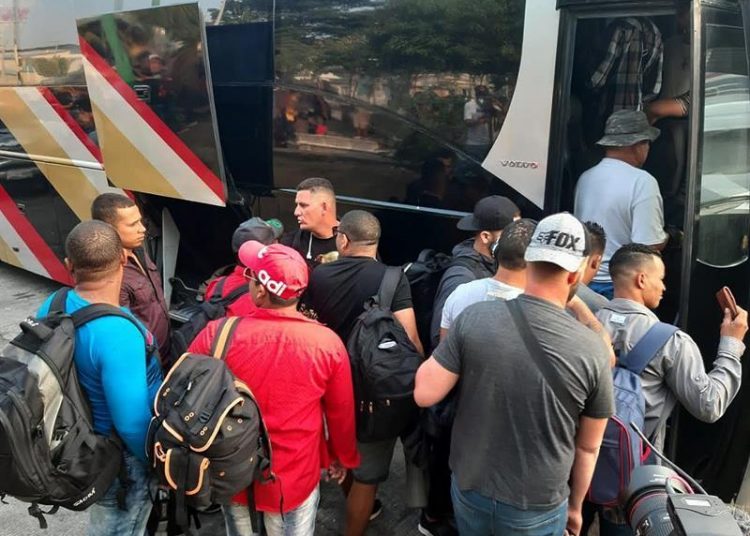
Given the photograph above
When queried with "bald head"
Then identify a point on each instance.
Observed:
(93, 250)
(360, 226)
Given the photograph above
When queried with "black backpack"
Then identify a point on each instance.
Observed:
(424, 275)
(384, 363)
(49, 453)
(207, 439)
(213, 308)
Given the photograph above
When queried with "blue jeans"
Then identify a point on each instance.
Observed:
(297, 522)
(477, 515)
(606, 289)
(105, 516)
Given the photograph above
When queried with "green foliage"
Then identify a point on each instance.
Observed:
(53, 67)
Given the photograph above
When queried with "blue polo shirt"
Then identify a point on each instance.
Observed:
(110, 359)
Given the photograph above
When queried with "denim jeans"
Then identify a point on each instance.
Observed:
(606, 289)
(105, 516)
(480, 515)
(297, 522)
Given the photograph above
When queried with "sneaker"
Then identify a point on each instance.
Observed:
(377, 509)
(435, 528)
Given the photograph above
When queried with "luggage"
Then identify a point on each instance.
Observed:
(49, 453)
(212, 308)
(207, 440)
(622, 449)
(384, 364)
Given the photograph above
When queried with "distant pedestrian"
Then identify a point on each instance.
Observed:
(534, 397)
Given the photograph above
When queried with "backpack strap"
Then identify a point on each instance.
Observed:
(98, 310)
(638, 358)
(57, 305)
(540, 359)
(219, 289)
(224, 334)
(388, 286)
(229, 298)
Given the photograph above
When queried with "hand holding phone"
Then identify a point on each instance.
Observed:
(726, 301)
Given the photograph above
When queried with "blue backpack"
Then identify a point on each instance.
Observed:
(622, 449)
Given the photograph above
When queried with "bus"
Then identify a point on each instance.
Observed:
(209, 112)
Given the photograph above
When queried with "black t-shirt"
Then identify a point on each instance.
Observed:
(338, 291)
(309, 246)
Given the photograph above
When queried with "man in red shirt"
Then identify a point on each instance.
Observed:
(264, 231)
(299, 372)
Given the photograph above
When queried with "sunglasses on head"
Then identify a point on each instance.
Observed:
(248, 274)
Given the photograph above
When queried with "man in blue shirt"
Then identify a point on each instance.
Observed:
(118, 379)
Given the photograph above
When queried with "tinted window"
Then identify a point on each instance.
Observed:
(381, 91)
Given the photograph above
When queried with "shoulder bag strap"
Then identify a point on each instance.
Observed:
(388, 286)
(638, 358)
(224, 334)
(57, 305)
(540, 359)
(236, 293)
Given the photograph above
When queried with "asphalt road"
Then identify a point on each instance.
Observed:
(20, 295)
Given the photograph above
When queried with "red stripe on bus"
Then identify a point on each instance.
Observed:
(69, 120)
(153, 120)
(33, 240)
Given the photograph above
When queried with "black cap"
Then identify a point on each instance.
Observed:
(264, 231)
(491, 213)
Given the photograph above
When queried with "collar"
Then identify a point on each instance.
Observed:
(623, 305)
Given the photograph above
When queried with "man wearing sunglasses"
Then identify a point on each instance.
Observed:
(299, 372)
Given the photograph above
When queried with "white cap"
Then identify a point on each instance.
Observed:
(559, 239)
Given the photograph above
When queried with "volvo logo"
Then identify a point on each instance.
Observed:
(519, 164)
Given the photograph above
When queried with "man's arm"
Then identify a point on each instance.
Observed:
(433, 383)
(407, 319)
(338, 405)
(648, 216)
(452, 278)
(708, 395)
(588, 440)
(583, 314)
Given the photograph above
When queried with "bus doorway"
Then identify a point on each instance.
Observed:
(697, 93)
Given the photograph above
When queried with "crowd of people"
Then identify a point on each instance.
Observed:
(528, 321)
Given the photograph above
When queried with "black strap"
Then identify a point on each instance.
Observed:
(217, 298)
(388, 286)
(57, 305)
(540, 359)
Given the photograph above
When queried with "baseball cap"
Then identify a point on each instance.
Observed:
(559, 239)
(491, 213)
(263, 231)
(627, 127)
(280, 269)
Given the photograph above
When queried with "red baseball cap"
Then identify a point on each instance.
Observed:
(280, 269)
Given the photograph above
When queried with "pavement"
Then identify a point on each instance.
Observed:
(21, 293)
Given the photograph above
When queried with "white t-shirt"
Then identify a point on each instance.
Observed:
(626, 202)
(473, 292)
(478, 134)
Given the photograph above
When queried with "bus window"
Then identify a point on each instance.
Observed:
(390, 87)
(725, 175)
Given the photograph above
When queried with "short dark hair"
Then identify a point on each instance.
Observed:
(281, 302)
(630, 257)
(93, 249)
(597, 237)
(512, 245)
(105, 206)
(315, 184)
(360, 226)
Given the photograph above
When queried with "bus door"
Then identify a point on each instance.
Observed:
(700, 161)
(717, 225)
(149, 83)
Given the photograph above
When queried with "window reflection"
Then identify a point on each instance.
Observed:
(417, 60)
(725, 183)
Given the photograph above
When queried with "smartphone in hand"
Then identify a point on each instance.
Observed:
(726, 301)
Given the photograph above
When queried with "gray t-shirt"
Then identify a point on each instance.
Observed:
(513, 440)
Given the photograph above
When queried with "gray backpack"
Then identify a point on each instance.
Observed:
(49, 452)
